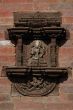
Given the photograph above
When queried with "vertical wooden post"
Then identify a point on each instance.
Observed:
(53, 52)
(24, 55)
(19, 51)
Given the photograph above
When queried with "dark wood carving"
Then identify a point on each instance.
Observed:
(38, 19)
(36, 72)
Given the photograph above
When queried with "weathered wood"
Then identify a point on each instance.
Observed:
(36, 37)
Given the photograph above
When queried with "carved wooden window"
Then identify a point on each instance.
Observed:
(36, 37)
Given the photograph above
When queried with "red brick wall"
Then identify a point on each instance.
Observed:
(64, 101)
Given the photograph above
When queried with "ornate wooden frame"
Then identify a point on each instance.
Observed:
(36, 80)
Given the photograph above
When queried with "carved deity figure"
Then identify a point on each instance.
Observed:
(37, 52)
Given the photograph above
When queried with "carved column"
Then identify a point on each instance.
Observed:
(24, 55)
(53, 52)
(19, 51)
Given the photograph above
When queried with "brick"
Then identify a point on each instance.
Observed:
(43, 100)
(6, 106)
(17, 1)
(2, 35)
(5, 85)
(59, 106)
(71, 37)
(67, 97)
(19, 105)
(50, 106)
(65, 56)
(67, 1)
(6, 20)
(67, 20)
(41, 7)
(0, 1)
(4, 27)
(67, 12)
(18, 7)
(46, 1)
(7, 59)
(66, 51)
(66, 89)
(5, 81)
(61, 6)
(7, 50)
(4, 97)
(5, 13)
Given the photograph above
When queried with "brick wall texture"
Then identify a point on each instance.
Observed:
(63, 101)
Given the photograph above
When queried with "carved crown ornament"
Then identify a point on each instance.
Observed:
(37, 37)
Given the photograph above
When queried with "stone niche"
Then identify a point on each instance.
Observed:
(37, 38)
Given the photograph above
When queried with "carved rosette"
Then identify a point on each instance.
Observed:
(35, 85)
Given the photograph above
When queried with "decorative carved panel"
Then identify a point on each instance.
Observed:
(36, 37)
